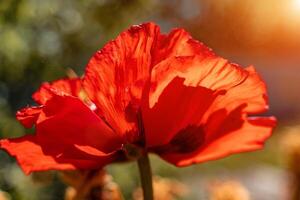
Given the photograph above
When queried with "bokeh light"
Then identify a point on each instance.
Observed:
(296, 4)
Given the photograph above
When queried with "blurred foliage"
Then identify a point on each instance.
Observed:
(40, 39)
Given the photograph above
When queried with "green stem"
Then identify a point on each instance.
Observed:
(146, 176)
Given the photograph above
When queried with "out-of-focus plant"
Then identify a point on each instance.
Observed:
(4, 196)
(228, 190)
(90, 184)
(290, 149)
(164, 189)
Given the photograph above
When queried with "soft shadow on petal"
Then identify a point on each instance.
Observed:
(215, 73)
(178, 107)
(250, 136)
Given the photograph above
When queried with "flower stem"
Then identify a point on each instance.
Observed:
(146, 176)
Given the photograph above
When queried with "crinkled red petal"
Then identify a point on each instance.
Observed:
(28, 116)
(64, 86)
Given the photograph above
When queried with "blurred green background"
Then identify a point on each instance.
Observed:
(40, 40)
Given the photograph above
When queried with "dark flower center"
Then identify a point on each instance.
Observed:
(185, 141)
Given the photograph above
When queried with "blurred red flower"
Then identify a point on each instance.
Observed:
(165, 94)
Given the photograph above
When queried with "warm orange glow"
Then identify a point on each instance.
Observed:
(296, 4)
(293, 17)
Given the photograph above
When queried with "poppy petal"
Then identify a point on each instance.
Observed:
(216, 74)
(249, 137)
(116, 75)
(251, 91)
(113, 70)
(65, 86)
(231, 87)
(178, 43)
(68, 120)
(33, 156)
(28, 116)
(178, 107)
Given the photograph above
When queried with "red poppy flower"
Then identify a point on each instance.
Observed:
(165, 94)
